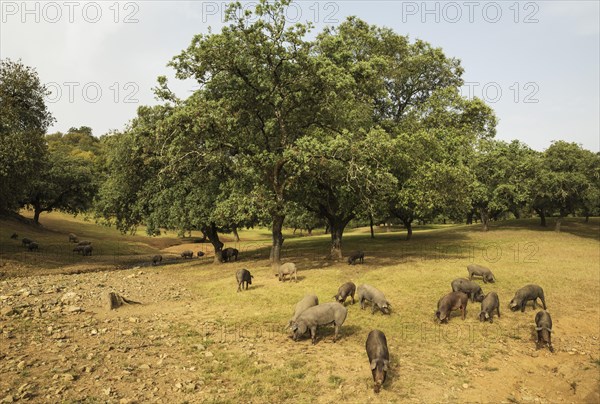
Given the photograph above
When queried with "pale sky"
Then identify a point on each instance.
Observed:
(535, 62)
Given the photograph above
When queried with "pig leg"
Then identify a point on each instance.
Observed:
(362, 303)
(246, 285)
(462, 311)
(498, 310)
(523, 306)
(543, 301)
(239, 286)
(336, 332)
(550, 342)
(313, 334)
(534, 303)
(373, 305)
(352, 298)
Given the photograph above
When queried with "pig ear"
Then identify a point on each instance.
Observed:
(385, 365)
(373, 364)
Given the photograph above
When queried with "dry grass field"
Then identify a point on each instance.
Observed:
(194, 339)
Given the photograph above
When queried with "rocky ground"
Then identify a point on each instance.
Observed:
(60, 342)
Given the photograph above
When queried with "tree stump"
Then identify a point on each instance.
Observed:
(115, 300)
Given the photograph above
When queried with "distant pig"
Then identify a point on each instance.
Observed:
(200, 254)
(157, 259)
(478, 270)
(375, 296)
(84, 243)
(379, 357)
(25, 241)
(488, 305)
(472, 289)
(187, 254)
(289, 268)
(87, 250)
(356, 256)
(347, 289)
(78, 249)
(33, 246)
(305, 303)
(14, 236)
(228, 253)
(243, 276)
(543, 326)
(452, 301)
(73, 238)
(323, 314)
(526, 293)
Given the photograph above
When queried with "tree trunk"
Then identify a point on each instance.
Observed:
(470, 218)
(561, 215)
(277, 238)
(235, 233)
(485, 218)
(327, 229)
(337, 226)
(213, 236)
(371, 226)
(294, 232)
(587, 217)
(309, 231)
(542, 214)
(409, 230)
(36, 215)
(388, 227)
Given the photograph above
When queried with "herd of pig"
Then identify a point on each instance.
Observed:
(465, 289)
(83, 247)
(309, 314)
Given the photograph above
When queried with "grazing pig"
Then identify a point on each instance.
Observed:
(87, 250)
(375, 296)
(323, 314)
(228, 253)
(289, 268)
(478, 270)
(356, 256)
(243, 275)
(488, 305)
(472, 289)
(26, 241)
(33, 246)
(200, 254)
(379, 357)
(347, 289)
(84, 243)
(156, 259)
(526, 293)
(14, 236)
(187, 254)
(78, 249)
(305, 303)
(452, 301)
(73, 238)
(543, 326)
